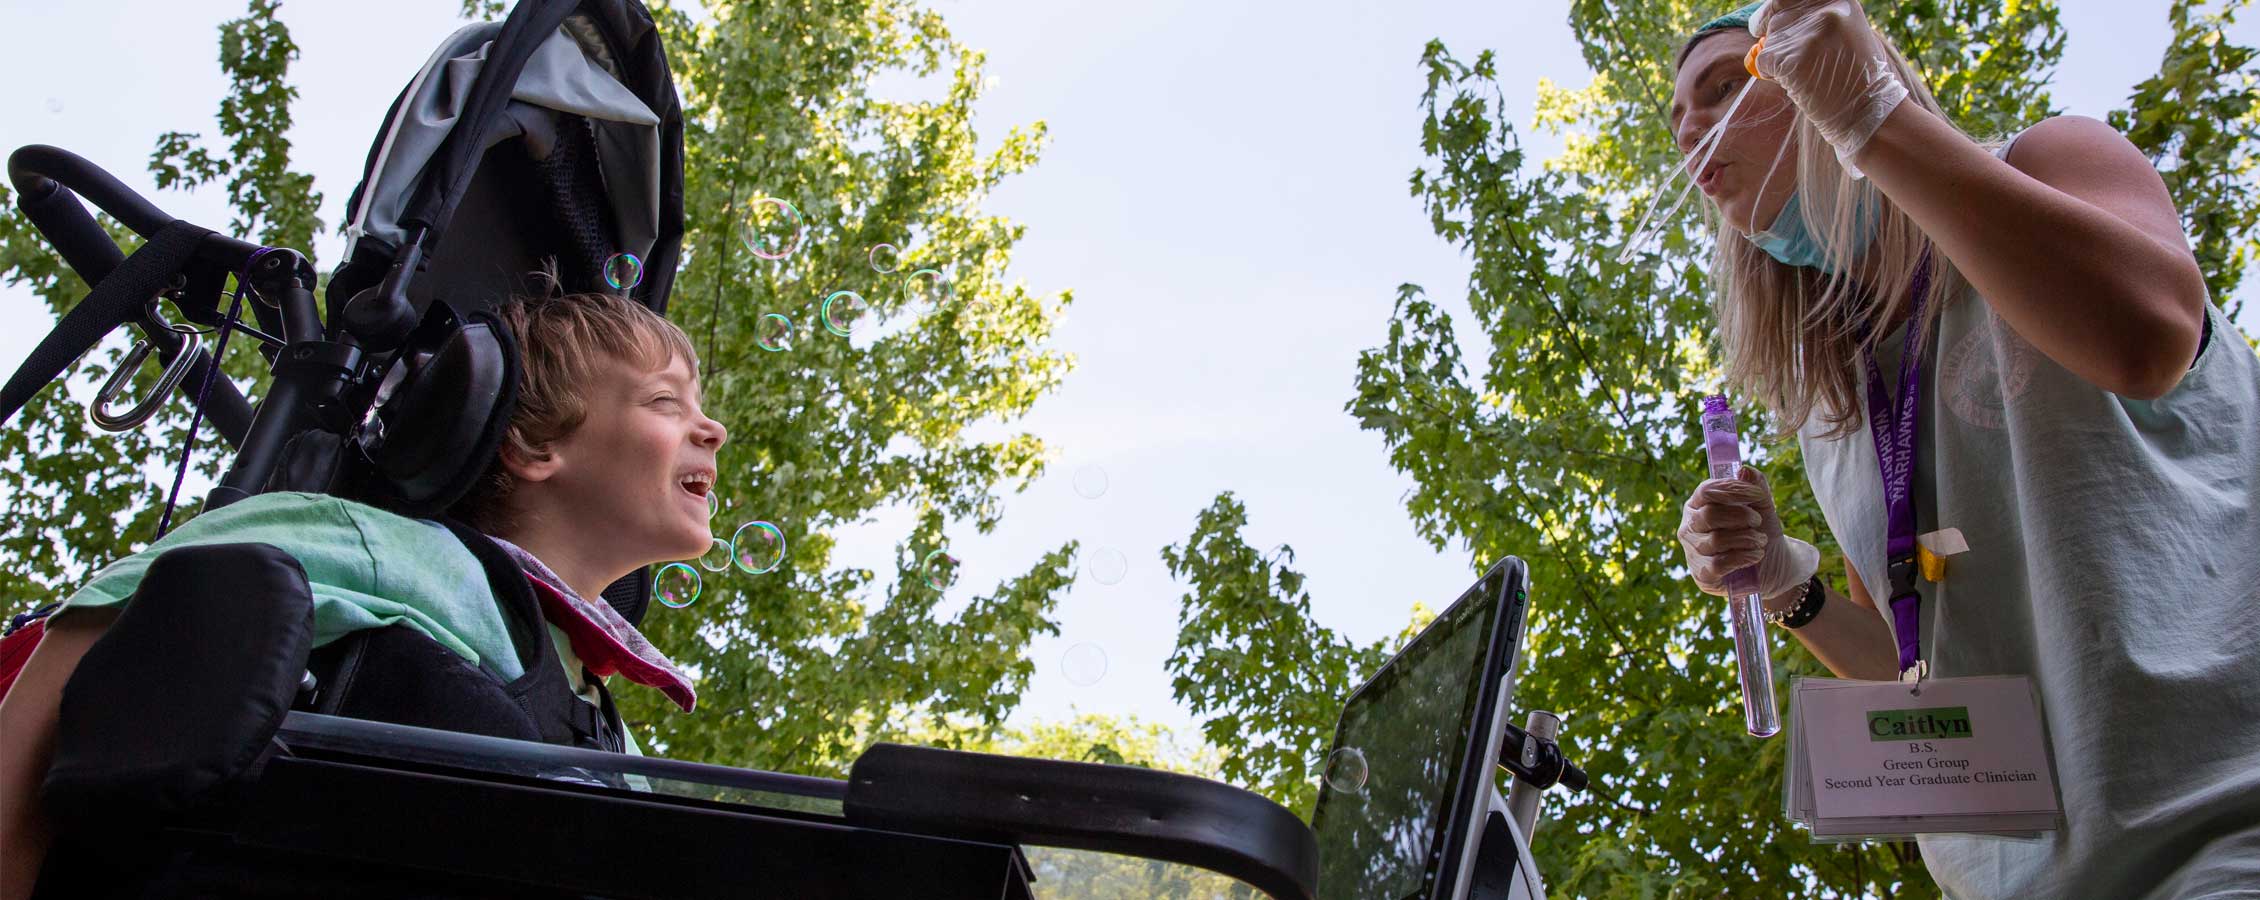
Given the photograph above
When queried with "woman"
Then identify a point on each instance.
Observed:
(2049, 414)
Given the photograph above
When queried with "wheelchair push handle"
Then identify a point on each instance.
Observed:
(49, 182)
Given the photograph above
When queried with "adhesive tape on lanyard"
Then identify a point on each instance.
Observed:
(1920, 755)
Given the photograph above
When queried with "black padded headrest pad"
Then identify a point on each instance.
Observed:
(446, 419)
(181, 695)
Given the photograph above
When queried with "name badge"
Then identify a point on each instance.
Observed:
(1948, 755)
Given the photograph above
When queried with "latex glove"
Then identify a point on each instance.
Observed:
(1730, 524)
(1834, 67)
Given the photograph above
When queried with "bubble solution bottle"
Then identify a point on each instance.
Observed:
(1753, 662)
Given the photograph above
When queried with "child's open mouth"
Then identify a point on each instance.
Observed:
(698, 483)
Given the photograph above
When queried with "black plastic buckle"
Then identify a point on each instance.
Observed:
(1902, 573)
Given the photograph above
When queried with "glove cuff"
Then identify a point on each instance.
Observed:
(1804, 562)
(1849, 134)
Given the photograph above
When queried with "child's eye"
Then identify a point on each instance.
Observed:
(1727, 87)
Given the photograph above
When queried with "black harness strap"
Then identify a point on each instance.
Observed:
(115, 301)
(398, 675)
(543, 692)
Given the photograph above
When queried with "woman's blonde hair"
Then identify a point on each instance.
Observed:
(1792, 334)
(564, 341)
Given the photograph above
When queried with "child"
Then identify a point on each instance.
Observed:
(605, 470)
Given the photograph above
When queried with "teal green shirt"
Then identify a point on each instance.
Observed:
(367, 568)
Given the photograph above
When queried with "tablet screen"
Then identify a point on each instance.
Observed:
(1412, 724)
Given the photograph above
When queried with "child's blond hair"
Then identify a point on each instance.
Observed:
(564, 341)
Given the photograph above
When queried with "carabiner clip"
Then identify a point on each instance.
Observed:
(1914, 676)
(98, 409)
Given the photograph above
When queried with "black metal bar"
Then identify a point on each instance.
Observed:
(1086, 806)
(45, 179)
(310, 376)
(508, 837)
(284, 278)
(281, 414)
(304, 729)
(39, 172)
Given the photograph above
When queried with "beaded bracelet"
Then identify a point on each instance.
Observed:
(1807, 606)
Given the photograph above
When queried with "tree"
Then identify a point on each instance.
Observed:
(1573, 446)
(1090, 875)
(2197, 120)
(79, 498)
(799, 667)
(1268, 678)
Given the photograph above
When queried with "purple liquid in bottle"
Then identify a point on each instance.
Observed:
(1722, 444)
(1720, 440)
(1753, 663)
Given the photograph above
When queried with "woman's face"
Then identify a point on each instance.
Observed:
(1757, 142)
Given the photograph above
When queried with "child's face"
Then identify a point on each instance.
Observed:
(640, 466)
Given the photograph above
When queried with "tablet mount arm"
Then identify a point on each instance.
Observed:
(1502, 868)
(1536, 760)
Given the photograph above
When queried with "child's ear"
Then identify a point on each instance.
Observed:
(526, 463)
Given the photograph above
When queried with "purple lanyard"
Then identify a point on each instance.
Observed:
(1895, 455)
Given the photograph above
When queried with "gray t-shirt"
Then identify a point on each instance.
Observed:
(2114, 558)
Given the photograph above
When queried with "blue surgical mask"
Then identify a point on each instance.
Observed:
(1795, 243)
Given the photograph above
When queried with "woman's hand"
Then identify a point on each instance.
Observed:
(1829, 60)
(1729, 525)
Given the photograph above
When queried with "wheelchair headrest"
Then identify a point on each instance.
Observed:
(441, 413)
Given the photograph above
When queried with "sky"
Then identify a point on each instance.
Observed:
(1225, 191)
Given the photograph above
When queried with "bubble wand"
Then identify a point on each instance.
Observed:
(1753, 662)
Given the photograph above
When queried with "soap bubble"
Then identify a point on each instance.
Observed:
(842, 311)
(758, 547)
(717, 558)
(925, 286)
(623, 271)
(774, 333)
(54, 105)
(1107, 565)
(713, 503)
(940, 569)
(774, 228)
(1090, 482)
(1083, 664)
(1346, 770)
(885, 259)
(676, 585)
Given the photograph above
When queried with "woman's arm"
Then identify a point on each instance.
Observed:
(1847, 635)
(27, 740)
(2074, 241)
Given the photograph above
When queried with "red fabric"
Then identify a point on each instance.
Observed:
(15, 650)
(602, 653)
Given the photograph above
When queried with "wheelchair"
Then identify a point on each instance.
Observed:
(205, 748)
